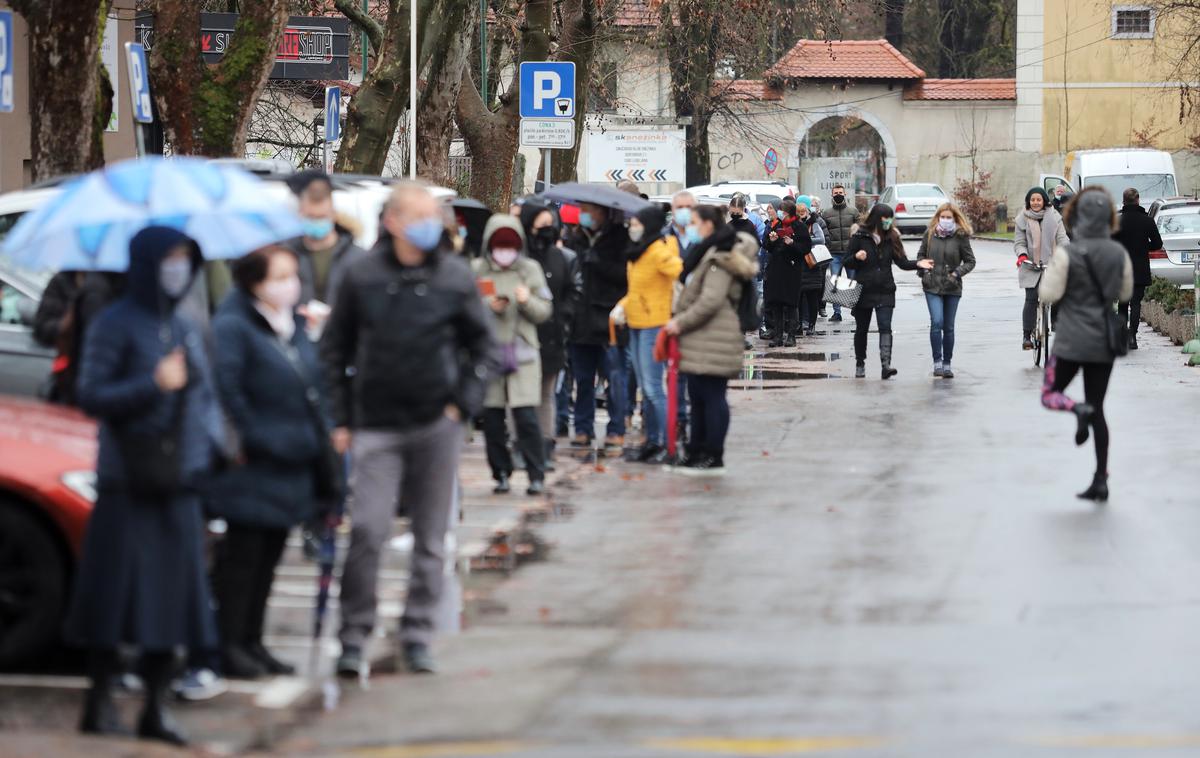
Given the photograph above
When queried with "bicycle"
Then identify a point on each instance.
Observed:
(1041, 334)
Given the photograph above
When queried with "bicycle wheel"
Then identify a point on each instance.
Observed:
(1046, 318)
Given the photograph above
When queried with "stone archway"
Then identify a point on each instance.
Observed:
(810, 118)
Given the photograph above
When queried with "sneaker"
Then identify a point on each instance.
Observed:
(502, 486)
(835, 318)
(536, 487)
(350, 662)
(946, 372)
(199, 684)
(418, 658)
(860, 370)
(706, 466)
(937, 368)
(581, 440)
(1027, 344)
(614, 442)
(822, 313)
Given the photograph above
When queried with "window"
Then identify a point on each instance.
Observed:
(8, 221)
(913, 191)
(1132, 22)
(1183, 222)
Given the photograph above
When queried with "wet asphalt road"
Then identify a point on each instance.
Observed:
(889, 569)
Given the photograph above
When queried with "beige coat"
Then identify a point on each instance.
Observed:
(711, 342)
(517, 324)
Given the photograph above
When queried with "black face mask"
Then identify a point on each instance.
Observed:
(734, 216)
(545, 238)
(839, 199)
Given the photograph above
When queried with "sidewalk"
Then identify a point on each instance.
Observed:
(39, 712)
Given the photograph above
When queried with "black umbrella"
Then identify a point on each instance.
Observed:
(475, 216)
(596, 194)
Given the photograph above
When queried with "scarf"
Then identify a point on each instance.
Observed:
(1042, 231)
(283, 324)
(939, 232)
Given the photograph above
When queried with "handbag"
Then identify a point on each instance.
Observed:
(1116, 329)
(842, 290)
(154, 460)
(329, 470)
(820, 254)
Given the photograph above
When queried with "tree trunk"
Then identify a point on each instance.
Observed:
(491, 137)
(577, 43)
(435, 108)
(206, 110)
(64, 53)
(692, 59)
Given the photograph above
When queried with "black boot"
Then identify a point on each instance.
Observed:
(551, 444)
(1098, 492)
(1084, 412)
(502, 486)
(156, 722)
(885, 356)
(238, 662)
(272, 664)
(100, 714)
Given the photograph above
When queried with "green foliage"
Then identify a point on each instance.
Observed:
(1170, 296)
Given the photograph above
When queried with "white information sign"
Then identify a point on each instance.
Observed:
(641, 155)
(109, 55)
(819, 175)
(556, 133)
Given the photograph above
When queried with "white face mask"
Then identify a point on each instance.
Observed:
(505, 256)
(281, 294)
(636, 232)
(174, 276)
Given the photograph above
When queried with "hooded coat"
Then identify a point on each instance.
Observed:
(654, 265)
(602, 262)
(141, 579)
(517, 326)
(1080, 332)
(267, 402)
(564, 280)
(711, 342)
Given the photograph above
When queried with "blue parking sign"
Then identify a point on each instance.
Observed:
(547, 89)
(6, 62)
(139, 82)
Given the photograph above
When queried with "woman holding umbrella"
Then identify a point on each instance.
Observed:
(141, 580)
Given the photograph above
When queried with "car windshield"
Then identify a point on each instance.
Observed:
(1149, 186)
(1180, 222)
(912, 191)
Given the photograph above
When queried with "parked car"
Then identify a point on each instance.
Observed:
(24, 364)
(1180, 229)
(914, 204)
(759, 192)
(1171, 202)
(1151, 172)
(47, 490)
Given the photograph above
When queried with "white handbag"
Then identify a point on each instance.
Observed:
(842, 290)
(820, 254)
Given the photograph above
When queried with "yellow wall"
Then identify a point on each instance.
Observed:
(1078, 51)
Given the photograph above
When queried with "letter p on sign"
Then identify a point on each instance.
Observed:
(139, 82)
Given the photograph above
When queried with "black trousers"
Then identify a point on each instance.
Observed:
(784, 318)
(1059, 373)
(862, 326)
(529, 442)
(1132, 311)
(710, 415)
(243, 572)
(810, 306)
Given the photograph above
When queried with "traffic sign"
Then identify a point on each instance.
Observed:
(139, 82)
(771, 160)
(547, 89)
(6, 62)
(557, 133)
(333, 114)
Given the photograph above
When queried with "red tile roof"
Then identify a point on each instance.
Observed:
(845, 59)
(746, 90)
(962, 89)
(637, 14)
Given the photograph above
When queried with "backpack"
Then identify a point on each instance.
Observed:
(748, 311)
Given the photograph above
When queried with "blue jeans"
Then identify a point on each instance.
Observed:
(835, 268)
(588, 362)
(942, 310)
(649, 374)
(710, 415)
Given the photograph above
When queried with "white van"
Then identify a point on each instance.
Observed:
(1151, 172)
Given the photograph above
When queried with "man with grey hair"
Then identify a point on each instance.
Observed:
(408, 318)
(630, 186)
(682, 203)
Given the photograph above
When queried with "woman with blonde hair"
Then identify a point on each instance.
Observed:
(947, 243)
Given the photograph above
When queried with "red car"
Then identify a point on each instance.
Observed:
(47, 489)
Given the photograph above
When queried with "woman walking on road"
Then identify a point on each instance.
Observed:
(1084, 283)
(514, 287)
(267, 375)
(947, 243)
(872, 252)
(1039, 231)
(710, 334)
(788, 242)
(654, 264)
(141, 581)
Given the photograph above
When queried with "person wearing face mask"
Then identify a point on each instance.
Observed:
(872, 252)
(738, 218)
(787, 244)
(812, 278)
(141, 582)
(561, 268)
(327, 247)
(602, 262)
(409, 319)
(1039, 232)
(268, 376)
(839, 223)
(947, 243)
(515, 290)
(654, 264)
(683, 204)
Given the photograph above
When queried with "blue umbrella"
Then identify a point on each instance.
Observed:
(87, 227)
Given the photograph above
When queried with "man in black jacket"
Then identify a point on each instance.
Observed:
(326, 250)
(411, 323)
(1139, 234)
(839, 220)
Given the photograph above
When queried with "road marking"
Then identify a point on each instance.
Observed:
(445, 749)
(1119, 741)
(764, 745)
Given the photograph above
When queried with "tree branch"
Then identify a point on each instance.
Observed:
(360, 18)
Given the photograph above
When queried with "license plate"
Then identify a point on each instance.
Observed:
(925, 208)
(1188, 257)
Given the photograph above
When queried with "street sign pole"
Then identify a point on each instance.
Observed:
(139, 92)
(549, 173)
(333, 125)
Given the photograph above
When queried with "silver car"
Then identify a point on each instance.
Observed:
(914, 204)
(1180, 230)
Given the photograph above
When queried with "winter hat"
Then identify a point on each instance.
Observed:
(1037, 191)
(505, 238)
(804, 200)
(654, 219)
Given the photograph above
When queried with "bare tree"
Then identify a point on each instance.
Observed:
(64, 61)
(206, 109)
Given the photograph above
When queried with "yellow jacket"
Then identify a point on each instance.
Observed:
(652, 284)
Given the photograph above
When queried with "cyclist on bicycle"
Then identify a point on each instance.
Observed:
(1039, 231)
